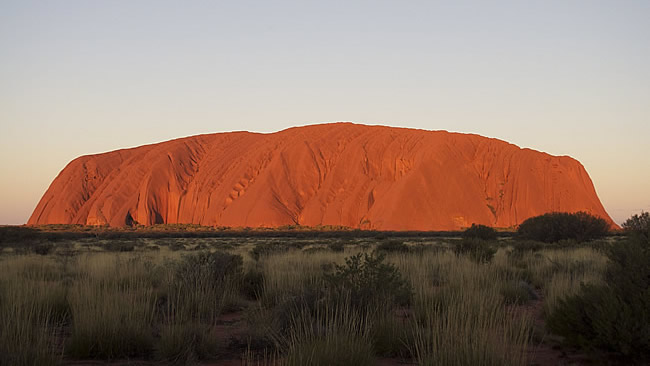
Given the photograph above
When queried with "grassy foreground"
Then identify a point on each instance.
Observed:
(342, 301)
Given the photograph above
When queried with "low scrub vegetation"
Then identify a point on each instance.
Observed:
(392, 246)
(480, 251)
(367, 281)
(614, 314)
(306, 301)
(638, 225)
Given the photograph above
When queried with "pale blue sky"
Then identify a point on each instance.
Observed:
(565, 77)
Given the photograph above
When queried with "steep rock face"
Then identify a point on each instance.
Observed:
(371, 177)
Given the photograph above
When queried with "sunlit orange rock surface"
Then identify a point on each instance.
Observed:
(369, 177)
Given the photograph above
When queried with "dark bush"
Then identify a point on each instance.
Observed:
(480, 232)
(218, 267)
(366, 280)
(393, 246)
(176, 246)
(264, 249)
(43, 248)
(201, 246)
(556, 226)
(337, 247)
(120, 246)
(638, 225)
(480, 251)
(613, 317)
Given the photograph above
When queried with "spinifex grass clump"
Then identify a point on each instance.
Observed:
(186, 334)
(480, 251)
(112, 313)
(111, 321)
(33, 308)
(459, 315)
(328, 315)
(522, 248)
(196, 290)
(287, 275)
(217, 269)
(563, 272)
(470, 332)
(334, 334)
(27, 331)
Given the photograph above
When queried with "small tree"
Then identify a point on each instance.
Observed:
(555, 226)
(366, 280)
(638, 225)
(480, 232)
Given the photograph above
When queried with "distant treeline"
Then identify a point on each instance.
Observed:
(71, 232)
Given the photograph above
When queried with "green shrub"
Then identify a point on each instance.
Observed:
(480, 232)
(480, 251)
(366, 281)
(557, 226)
(638, 225)
(393, 246)
(612, 317)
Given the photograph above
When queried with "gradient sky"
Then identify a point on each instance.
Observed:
(565, 77)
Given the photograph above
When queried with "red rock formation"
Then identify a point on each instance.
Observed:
(370, 177)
